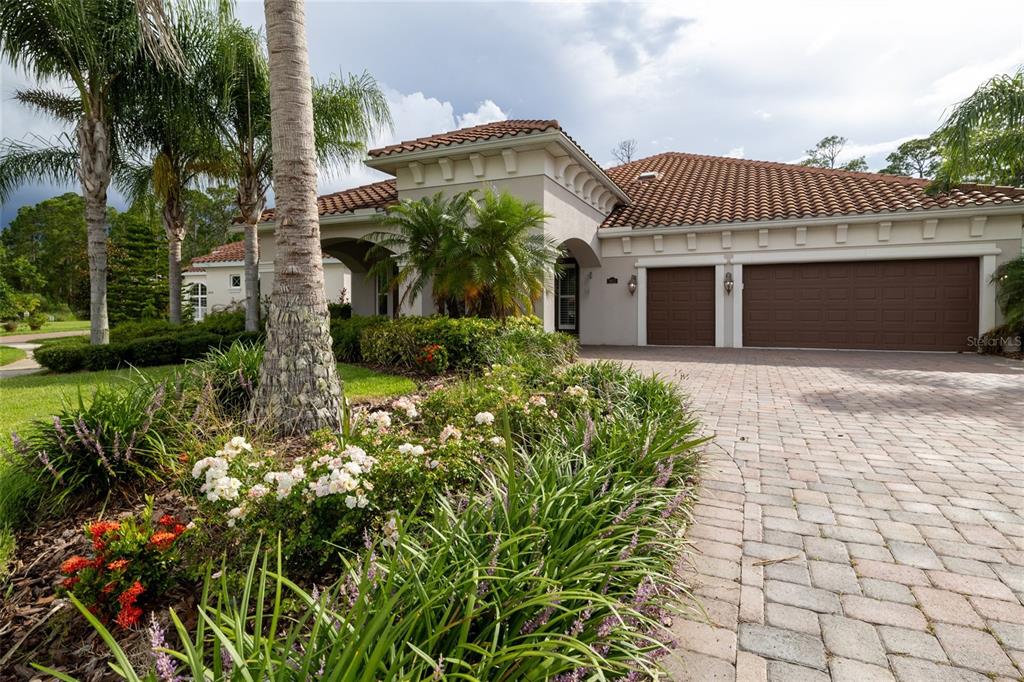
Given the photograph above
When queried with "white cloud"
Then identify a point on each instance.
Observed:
(487, 112)
(735, 153)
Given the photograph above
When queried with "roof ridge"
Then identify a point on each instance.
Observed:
(538, 124)
(783, 166)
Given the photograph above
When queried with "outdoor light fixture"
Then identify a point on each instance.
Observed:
(728, 282)
(632, 285)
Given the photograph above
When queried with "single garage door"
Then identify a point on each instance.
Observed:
(882, 305)
(681, 306)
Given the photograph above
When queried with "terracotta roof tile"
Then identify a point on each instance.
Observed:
(692, 189)
(232, 251)
(487, 131)
(374, 195)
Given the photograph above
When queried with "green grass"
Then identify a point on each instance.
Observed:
(35, 396)
(58, 326)
(9, 355)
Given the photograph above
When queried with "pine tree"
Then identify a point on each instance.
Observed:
(138, 255)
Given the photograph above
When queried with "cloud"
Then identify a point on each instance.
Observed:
(487, 112)
(735, 153)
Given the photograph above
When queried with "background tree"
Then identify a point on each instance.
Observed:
(346, 113)
(625, 151)
(51, 236)
(138, 275)
(915, 158)
(826, 154)
(95, 46)
(1009, 277)
(422, 239)
(209, 217)
(983, 138)
(299, 388)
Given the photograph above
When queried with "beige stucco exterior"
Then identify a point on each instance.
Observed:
(551, 171)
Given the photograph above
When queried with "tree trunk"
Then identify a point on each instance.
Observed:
(174, 225)
(94, 174)
(250, 206)
(299, 390)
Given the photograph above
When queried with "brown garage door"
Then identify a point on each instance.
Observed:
(681, 306)
(884, 305)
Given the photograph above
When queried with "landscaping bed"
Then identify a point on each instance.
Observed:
(518, 522)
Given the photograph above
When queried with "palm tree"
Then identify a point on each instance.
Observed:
(1010, 279)
(95, 46)
(299, 388)
(173, 145)
(346, 113)
(507, 262)
(983, 138)
(420, 237)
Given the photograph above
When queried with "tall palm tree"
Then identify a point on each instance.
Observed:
(507, 260)
(299, 388)
(95, 46)
(983, 138)
(346, 113)
(172, 141)
(420, 237)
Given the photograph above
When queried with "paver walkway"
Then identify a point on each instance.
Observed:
(28, 365)
(862, 516)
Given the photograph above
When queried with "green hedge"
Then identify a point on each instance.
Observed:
(347, 333)
(434, 344)
(165, 349)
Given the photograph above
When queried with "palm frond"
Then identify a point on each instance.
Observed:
(21, 163)
(63, 107)
(347, 113)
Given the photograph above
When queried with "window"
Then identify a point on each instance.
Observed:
(567, 286)
(383, 295)
(235, 281)
(199, 300)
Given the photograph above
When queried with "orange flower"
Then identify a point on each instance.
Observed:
(128, 616)
(74, 565)
(99, 529)
(168, 521)
(68, 583)
(162, 540)
(129, 596)
(179, 528)
(108, 588)
(117, 565)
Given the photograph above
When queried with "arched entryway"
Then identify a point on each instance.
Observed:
(576, 255)
(370, 294)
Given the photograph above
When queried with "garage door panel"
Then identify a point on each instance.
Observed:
(889, 305)
(681, 306)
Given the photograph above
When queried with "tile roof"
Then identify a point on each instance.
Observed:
(232, 251)
(374, 195)
(487, 131)
(692, 189)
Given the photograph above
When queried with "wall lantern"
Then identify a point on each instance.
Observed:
(632, 285)
(728, 283)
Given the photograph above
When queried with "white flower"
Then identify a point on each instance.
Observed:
(410, 449)
(450, 432)
(576, 391)
(257, 491)
(223, 488)
(433, 464)
(538, 400)
(407, 406)
(285, 482)
(390, 531)
(484, 418)
(298, 473)
(381, 420)
(497, 441)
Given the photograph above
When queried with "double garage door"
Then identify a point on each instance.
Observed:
(879, 305)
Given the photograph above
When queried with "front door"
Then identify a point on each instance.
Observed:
(567, 287)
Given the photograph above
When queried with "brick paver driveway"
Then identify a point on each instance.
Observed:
(862, 516)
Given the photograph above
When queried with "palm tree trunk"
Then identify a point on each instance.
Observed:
(299, 390)
(250, 206)
(174, 226)
(94, 174)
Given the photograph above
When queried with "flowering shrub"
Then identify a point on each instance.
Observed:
(433, 358)
(132, 564)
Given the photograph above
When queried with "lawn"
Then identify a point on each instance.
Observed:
(9, 355)
(58, 326)
(25, 398)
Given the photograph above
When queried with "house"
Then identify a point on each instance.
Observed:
(216, 281)
(685, 249)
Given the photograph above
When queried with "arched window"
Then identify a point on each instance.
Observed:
(199, 300)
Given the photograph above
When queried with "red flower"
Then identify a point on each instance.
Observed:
(117, 565)
(179, 528)
(129, 596)
(99, 529)
(128, 616)
(108, 588)
(74, 565)
(168, 521)
(68, 583)
(162, 540)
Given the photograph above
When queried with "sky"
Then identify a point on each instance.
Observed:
(758, 80)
